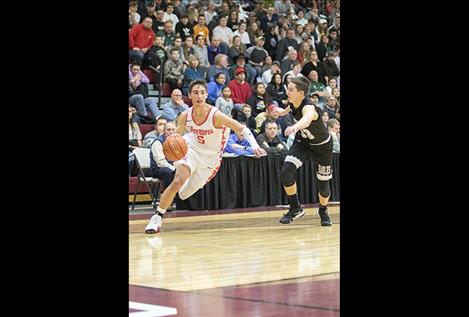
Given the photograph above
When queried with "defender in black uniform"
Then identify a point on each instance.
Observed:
(312, 141)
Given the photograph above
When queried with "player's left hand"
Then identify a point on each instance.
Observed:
(260, 152)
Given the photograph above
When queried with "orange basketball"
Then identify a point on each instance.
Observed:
(174, 148)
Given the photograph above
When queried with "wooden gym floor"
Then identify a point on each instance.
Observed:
(243, 263)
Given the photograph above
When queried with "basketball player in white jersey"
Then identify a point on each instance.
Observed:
(208, 130)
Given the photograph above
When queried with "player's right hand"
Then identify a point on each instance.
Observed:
(291, 130)
(258, 152)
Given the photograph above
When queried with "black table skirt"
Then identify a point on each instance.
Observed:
(249, 182)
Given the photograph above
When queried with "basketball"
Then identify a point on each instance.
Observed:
(174, 148)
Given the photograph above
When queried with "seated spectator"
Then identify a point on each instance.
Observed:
(210, 12)
(243, 34)
(160, 167)
(257, 55)
(178, 45)
(295, 71)
(334, 128)
(135, 136)
(170, 16)
(134, 17)
(236, 49)
(201, 29)
(244, 116)
(240, 61)
(184, 29)
(200, 50)
(219, 66)
(240, 89)
(214, 88)
(325, 118)
(188, 47)
(193, 72)
(214, 49)
(254, 30)
(266, 77)
(141, 37)
(331, 107)
(304, 53)
(138, 93)
(174, 107)
(174, 70)
(156, 56)
(269, 115)
(154, 134)
(258, 100)
(224, 102)
(286, 64)
(167, 34)
(224, 33)
(277, 91)
(286, 44)
(318, 66)
(336, 94)
(238, 145)
(331, 85)
(318, 88)
(267, 63)
(332, 69)
(233, 20)
(270, 141)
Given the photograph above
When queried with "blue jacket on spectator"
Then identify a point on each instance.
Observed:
(233, 139)
(190, 75)
(170, 111)
(214, 91)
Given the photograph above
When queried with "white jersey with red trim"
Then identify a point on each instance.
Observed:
(205, 138)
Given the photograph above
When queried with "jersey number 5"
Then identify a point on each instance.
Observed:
(200, 139)
(305, 133)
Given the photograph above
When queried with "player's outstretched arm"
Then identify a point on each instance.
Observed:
(223, 120)
(309, 114)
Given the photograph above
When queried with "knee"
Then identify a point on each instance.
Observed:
(177, 184)
(288, 174)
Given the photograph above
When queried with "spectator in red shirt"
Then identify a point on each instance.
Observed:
(141, 38)
(240, 89)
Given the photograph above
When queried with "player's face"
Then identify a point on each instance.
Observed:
(198, 95)
(294, 95)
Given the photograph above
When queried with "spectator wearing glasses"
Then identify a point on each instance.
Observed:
(174, 107)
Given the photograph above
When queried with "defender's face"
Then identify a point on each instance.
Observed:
(294, 96)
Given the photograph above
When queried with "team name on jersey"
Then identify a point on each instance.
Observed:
(201, 131)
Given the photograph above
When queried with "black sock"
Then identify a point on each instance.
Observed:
(322, 208)
(293, 201)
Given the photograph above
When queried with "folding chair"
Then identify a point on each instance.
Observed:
(142, 164)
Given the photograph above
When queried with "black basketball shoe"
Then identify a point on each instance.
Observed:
(325, 219)
(292, 214)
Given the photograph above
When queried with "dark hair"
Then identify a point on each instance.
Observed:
(218, 75)
(301, 83)
(268, 121)
(197, 82)
(134, 64)
(257, 85)
(160, 118)
(295, 63)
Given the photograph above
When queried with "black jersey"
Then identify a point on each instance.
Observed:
(316, 133)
